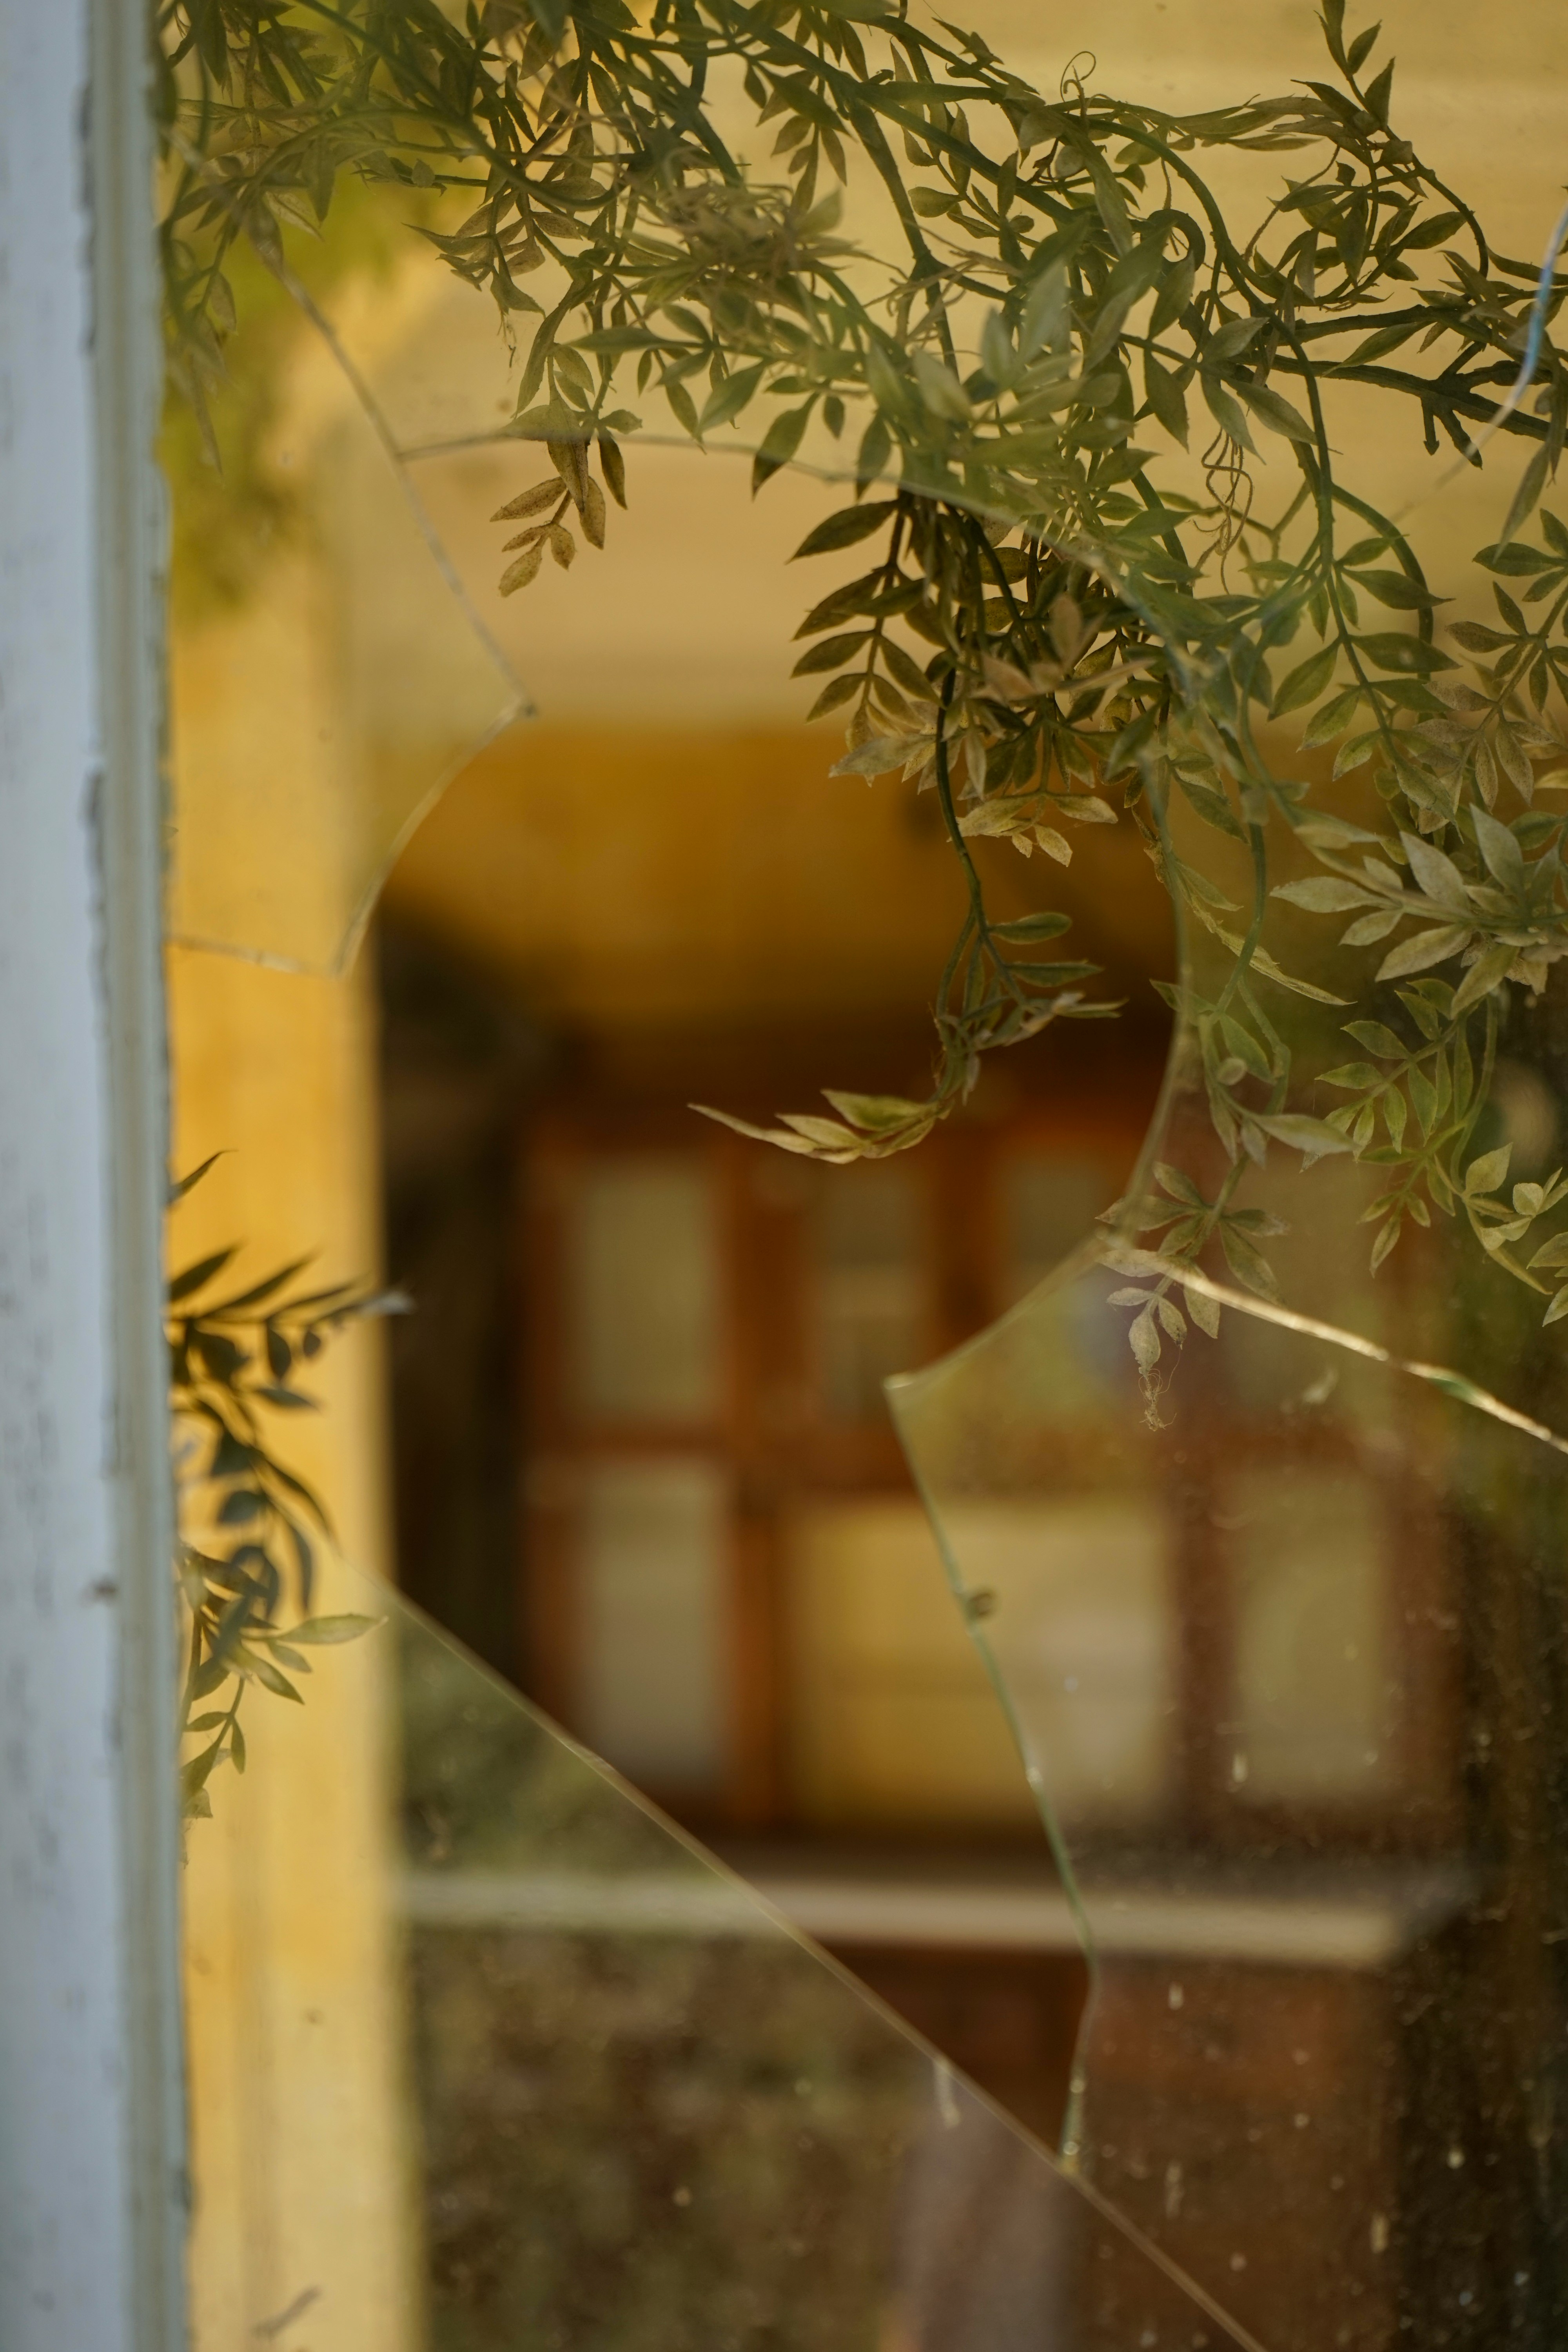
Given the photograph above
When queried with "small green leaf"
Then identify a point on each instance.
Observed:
(1362, 48)
(550, 15)
(1390, 649)
(1532, 483)
(1485, 1174)
(1367, 930)
(1143, 1339)
(877, 1114)
(832, 652)
(780, 443)
(1175, 294)
(1043, 926)
(1439, 876)
(1166, 398)
(1315, 1137)
(997, 355)
(1179, 1186)
(1428, 233)
(1273, 410)
(321, 1631)
(843, 529)
(1046, 313)
(1226, 413)
(729, 397)
(1203, 1310)
(906, 671)
(613, 466)
(1376, 1039)
(940, 388)
(1397, 591)
(1245, 1260)
(1424, 948)
(874, 759)
(1306, 681)
(1488, 968)
(263, 1671)
(1499, 847)
(1515, 561)
(1387, 1237)
(1323, 894)
(1332, 719)
(834, 695)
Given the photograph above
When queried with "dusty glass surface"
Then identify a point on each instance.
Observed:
(1322, 2063)
(1274, 1606)
(621, 2104)
(1279, 1617)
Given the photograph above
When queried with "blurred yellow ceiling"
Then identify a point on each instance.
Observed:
(671, 793)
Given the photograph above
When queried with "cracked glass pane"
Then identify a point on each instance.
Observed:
(1254, 1509)
(1269, 1597)
(1303, 1774)
(329, 669)
(485, 2053)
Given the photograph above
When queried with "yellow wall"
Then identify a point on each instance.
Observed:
(299, 2143)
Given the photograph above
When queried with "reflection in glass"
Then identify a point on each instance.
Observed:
(1308, 1553)
(1317, 1251)
(636, 2111)
(643, 1271)
(1299, 2071)
(1092, 1642)
(654, 1537)
(893, 1716)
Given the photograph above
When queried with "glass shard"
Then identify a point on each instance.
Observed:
(1292, 1709)
(620, 2102)
(329, 671)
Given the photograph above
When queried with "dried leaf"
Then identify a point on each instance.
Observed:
(532, 501)
(519, 574)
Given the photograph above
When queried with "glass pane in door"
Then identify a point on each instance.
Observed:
(653, 1537)
(643, 1288)
(871, 1286)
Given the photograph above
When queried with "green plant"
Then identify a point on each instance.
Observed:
(1063, 623)
(249, 1526)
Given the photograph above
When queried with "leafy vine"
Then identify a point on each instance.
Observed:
(1050, 387)
(249, 1526)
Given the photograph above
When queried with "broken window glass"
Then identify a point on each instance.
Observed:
(1262, 1551)
(523, 2065)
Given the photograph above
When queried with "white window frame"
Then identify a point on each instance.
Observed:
(91, 2164)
